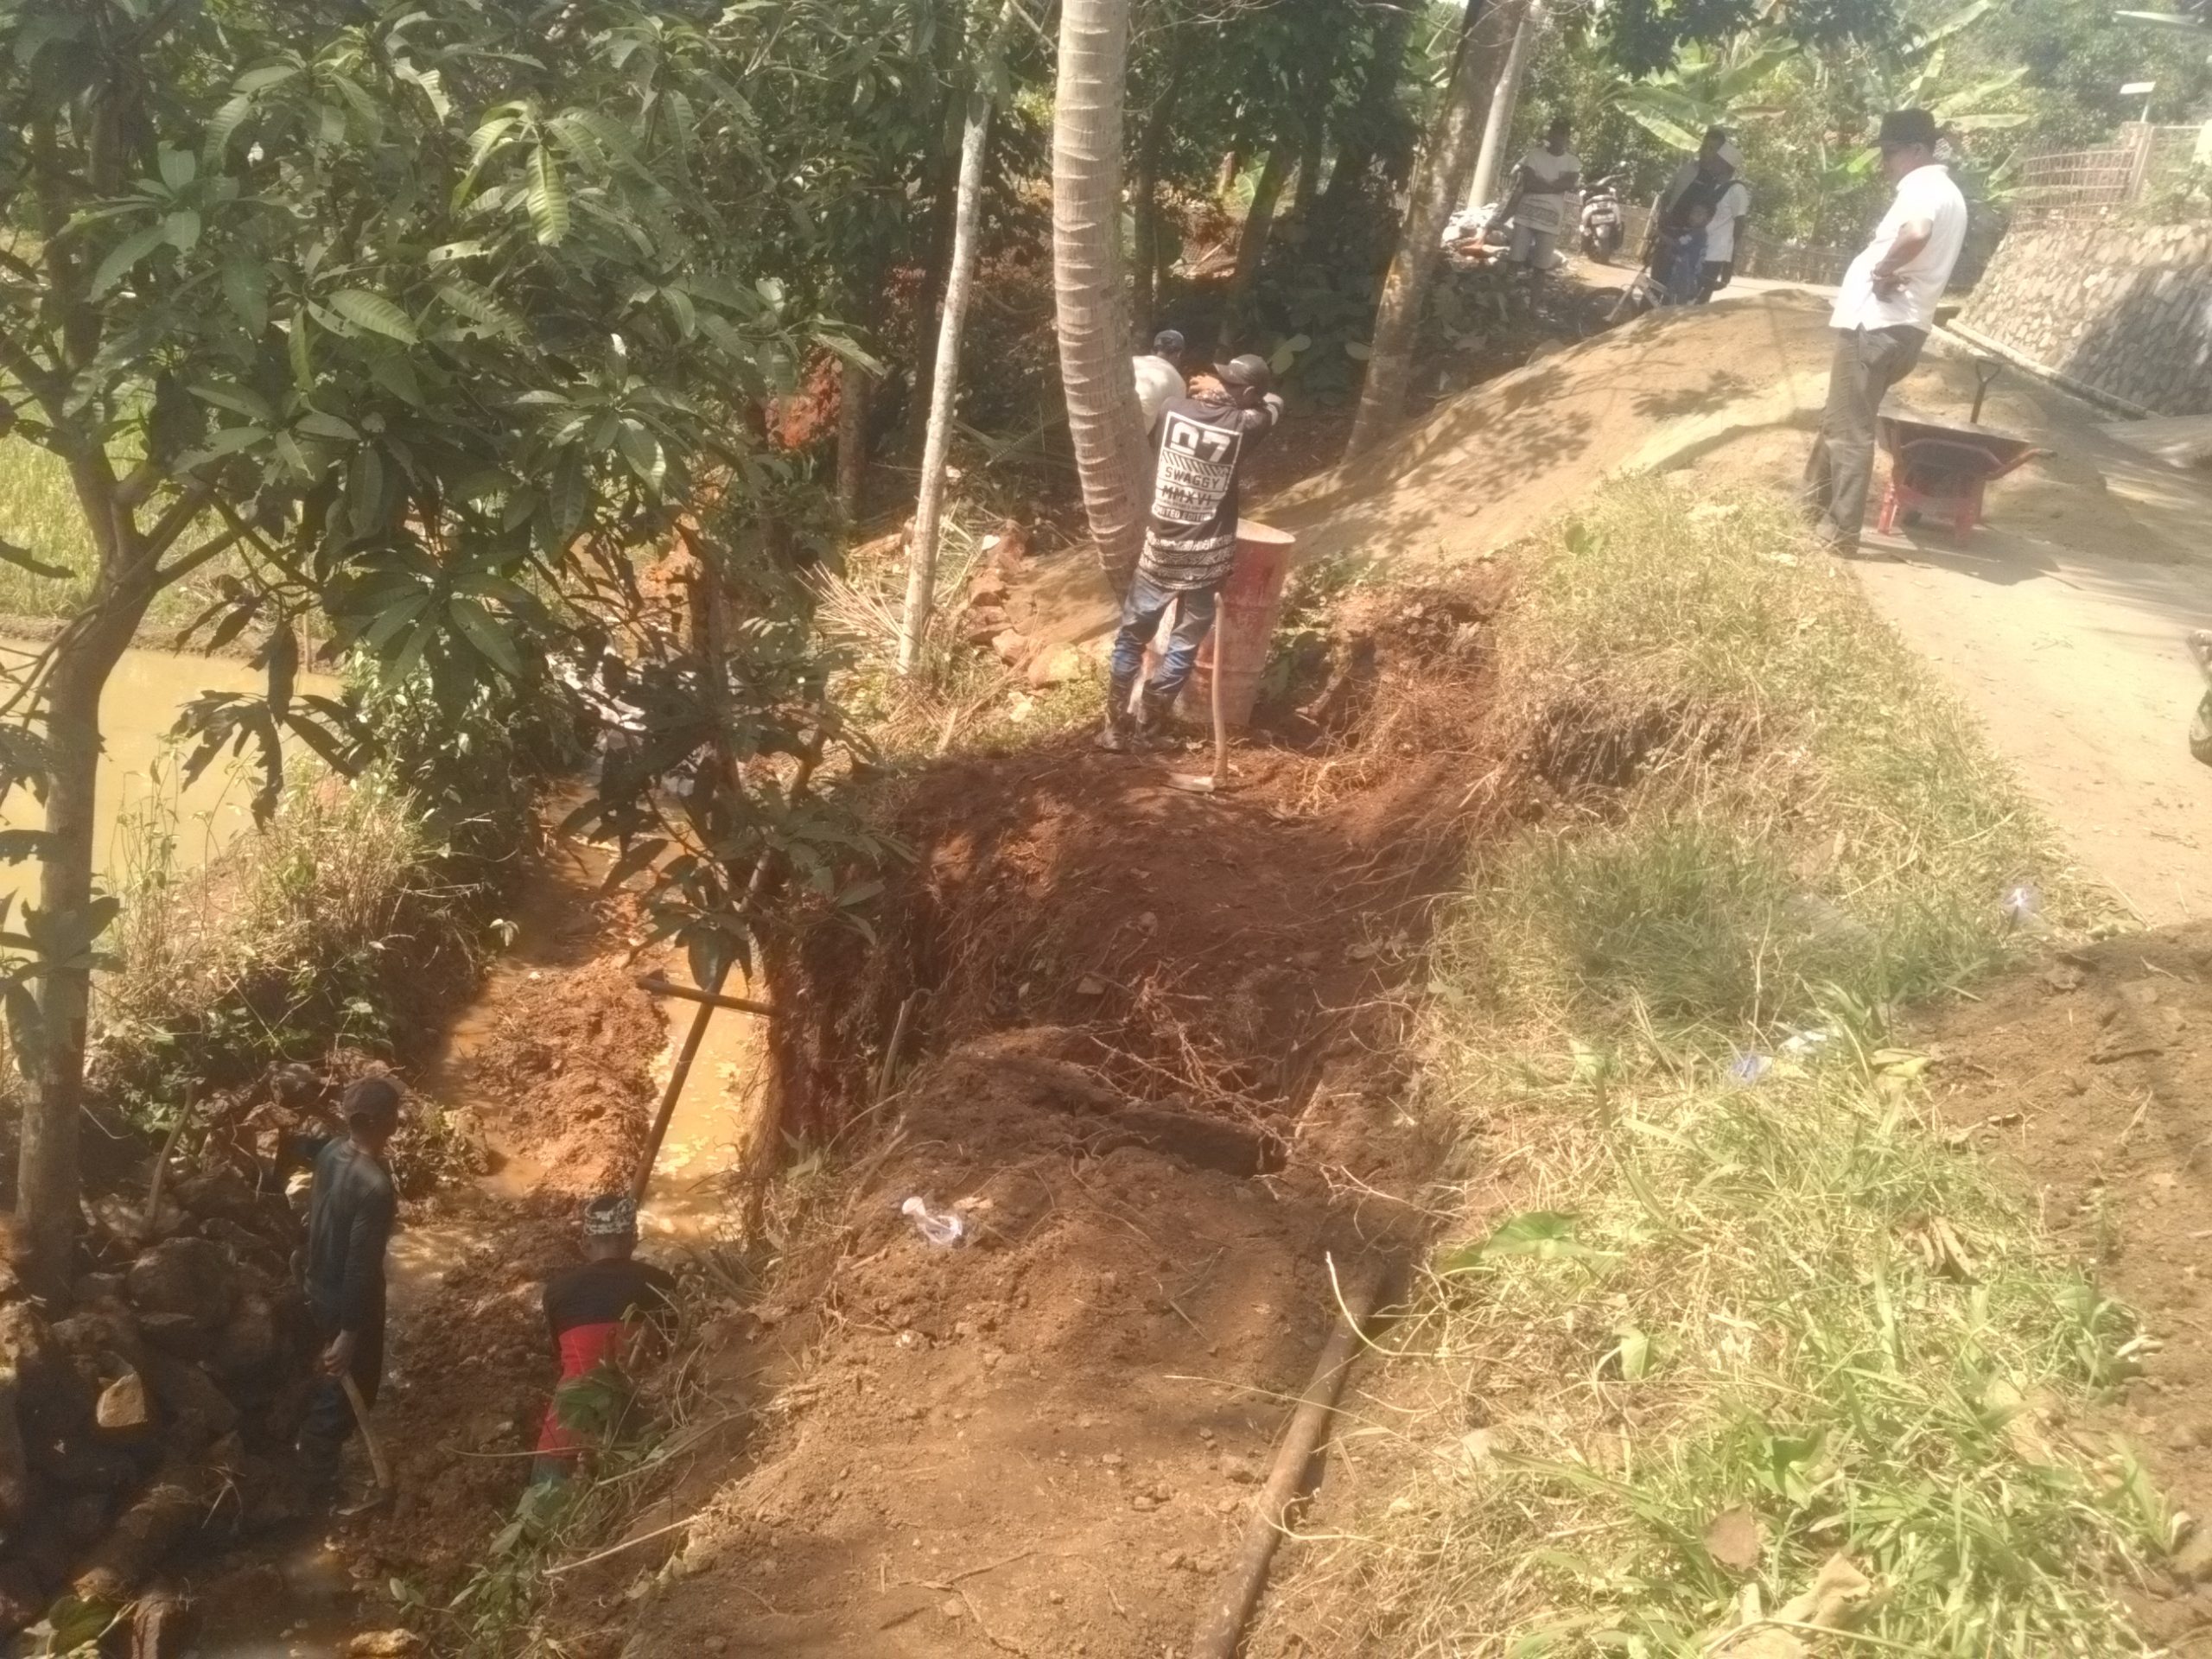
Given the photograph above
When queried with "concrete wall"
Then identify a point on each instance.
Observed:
(2123, 312)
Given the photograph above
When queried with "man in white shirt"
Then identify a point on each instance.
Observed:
(1159, 377)
(1882, 312)
(1541, 204)
(1713, 176)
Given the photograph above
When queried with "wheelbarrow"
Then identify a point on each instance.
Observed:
(1940, 468)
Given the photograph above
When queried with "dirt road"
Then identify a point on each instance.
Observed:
(2061, 623)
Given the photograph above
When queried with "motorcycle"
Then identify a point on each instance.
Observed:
(1602, 225)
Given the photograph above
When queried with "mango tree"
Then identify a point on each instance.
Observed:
(417, 317)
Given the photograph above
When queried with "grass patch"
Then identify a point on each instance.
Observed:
(1723, 1323)
(39, 511)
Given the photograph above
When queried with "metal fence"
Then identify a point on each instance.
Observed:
(2077, 183)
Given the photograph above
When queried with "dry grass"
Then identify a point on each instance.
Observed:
(281, 942)
(1714, 1259)
(960, 698)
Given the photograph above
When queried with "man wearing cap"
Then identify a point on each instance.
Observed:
(1159, 377)
(351, 1207)
(1190, 541)
(1882, 312)
(589, 1309)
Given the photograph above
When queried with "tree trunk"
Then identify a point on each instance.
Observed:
(1144, 246)
(854, 387)
(46, 1182)
(975, 139)
(1448, 156)
(1310, 144)
(1144, 193)
(1497, 127)
(1385, 70)
(942, 171)
(1103, 419)
(1252, 239)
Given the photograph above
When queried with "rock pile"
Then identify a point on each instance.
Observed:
(160, 1403)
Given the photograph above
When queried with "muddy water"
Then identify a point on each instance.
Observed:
(144, 696)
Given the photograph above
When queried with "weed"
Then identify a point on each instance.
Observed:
(1752, 1315)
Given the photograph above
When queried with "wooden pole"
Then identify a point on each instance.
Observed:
(1222, 1620)
(662, 985)
(711, 997)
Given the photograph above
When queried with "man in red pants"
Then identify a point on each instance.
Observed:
(590, 1309)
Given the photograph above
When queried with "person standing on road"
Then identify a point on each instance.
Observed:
(1159, 377)
(1882, 313)
(589, 1310)
(1539, 204)
(1713, 178)
(351, 1208)
(1189, 541)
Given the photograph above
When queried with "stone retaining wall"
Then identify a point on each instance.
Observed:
(2122, 312)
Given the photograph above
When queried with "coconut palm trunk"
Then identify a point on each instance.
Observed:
(1088, 287)
(960, 280)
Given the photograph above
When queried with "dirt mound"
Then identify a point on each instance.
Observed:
(1166, 1094)
(2091, 1074)
(1491, 465)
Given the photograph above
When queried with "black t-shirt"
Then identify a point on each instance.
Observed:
(350, 1211)
(1191, 538)
(587, 1305)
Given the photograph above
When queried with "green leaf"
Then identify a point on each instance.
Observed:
(479, 306)
(124, 257)
(262, 76)
(642, 452)
(484, 631)
(548, 198)
(296, 348)
(239, 400)
(223, 126)
(1547, 1234)
(246, 289)
(316, 425)
(181, 230)
(178, 168)
(374, 313)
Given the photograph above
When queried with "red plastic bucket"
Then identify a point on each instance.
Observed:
(1248, 604)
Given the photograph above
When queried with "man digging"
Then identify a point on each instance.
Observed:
(1190, 541)
(351, 1208)
(588, 1311)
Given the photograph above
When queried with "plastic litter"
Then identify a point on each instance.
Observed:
(1751, 1066)
(2023, 905)
(942, 1229)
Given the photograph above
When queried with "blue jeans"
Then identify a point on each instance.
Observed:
(1140, 613)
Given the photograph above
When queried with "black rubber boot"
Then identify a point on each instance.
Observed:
(1154, 716)
(1117, 735)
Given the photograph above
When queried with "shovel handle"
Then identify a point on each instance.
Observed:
(368, 1433)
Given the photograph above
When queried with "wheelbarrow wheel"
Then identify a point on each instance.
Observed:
(2200, 730)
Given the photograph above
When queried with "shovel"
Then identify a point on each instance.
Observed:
(385, 1490)
(1218, 780)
